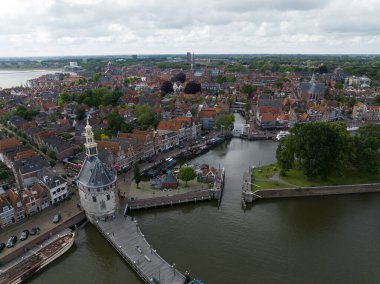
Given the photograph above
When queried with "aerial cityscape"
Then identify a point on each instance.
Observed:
(192, 142)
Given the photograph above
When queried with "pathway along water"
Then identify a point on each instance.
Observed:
(302, 240)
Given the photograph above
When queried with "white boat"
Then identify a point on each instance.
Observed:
(282, 134)
(353, 128)
(34, 263)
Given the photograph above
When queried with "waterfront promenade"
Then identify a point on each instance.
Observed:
(124, 234)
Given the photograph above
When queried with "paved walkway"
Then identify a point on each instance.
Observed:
(192, 196)
(276, 178)
(125, 236)
(145, 191)
(43, 220)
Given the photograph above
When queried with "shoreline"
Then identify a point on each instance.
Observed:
(309, 191)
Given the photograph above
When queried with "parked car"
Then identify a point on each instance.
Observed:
(57, 217)
(34, 231)
(2, 246)
(24, 235)
(69, 174)
(11, 241)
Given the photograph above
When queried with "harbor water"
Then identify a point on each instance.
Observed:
(330, 239)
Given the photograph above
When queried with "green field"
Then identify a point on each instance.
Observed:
(261, 176)
(261, 185)
(265, 171)
(296, 177)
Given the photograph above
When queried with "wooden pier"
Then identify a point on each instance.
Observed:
(125, 236)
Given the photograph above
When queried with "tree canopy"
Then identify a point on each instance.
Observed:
(22, 111)
(225, 120)
(136, 173)
(376, 100)
(117, 123)
(193, 87)
(95, 97)
(181, 77)
(145, 116)
(167, 87)
(319, 149)
(186, 174)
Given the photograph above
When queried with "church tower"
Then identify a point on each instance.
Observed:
(96, 183)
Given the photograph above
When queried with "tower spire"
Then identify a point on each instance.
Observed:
(91, 146)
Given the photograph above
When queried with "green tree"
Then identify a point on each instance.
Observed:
(319, 148)
(285, 154)
(220, 79)
(376, 100)
(367, 143)
(117, 123)
(80, 113)
(136, 174)
(247, 89)
(225, 120)
(145, 116)
(339, 85)
(193, 87)
(167, 87)
(186, 174)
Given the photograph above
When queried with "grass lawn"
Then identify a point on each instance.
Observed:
(296, 176)
(267, 185)
(263, 172)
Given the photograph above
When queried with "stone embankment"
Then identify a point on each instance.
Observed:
(249, 196)
(176, 199)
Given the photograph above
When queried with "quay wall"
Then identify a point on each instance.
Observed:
(19, 251)
(195, 196)
(311, 191)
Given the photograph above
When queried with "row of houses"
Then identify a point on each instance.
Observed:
(43, 137)
(38, 186)
(125, 149)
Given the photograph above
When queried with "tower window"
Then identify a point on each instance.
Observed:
(108, 197)
(94, 198)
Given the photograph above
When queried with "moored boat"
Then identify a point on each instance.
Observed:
(282, 134)
(34, 263)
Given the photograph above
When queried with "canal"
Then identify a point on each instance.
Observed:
(309, 240)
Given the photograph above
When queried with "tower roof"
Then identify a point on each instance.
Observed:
(95, 174)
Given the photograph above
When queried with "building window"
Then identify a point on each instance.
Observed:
(108, 197)
(94, 198)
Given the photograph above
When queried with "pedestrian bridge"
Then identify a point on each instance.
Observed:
(240, 129)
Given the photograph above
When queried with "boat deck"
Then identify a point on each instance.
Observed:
(31, 261)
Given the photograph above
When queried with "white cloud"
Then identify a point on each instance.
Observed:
(69, 27)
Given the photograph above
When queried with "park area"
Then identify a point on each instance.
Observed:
(270, 177)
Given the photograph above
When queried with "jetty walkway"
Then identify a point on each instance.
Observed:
(125, 236)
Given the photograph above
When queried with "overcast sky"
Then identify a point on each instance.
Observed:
(89, 27)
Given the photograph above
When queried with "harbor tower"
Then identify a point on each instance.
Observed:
(96, 183)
